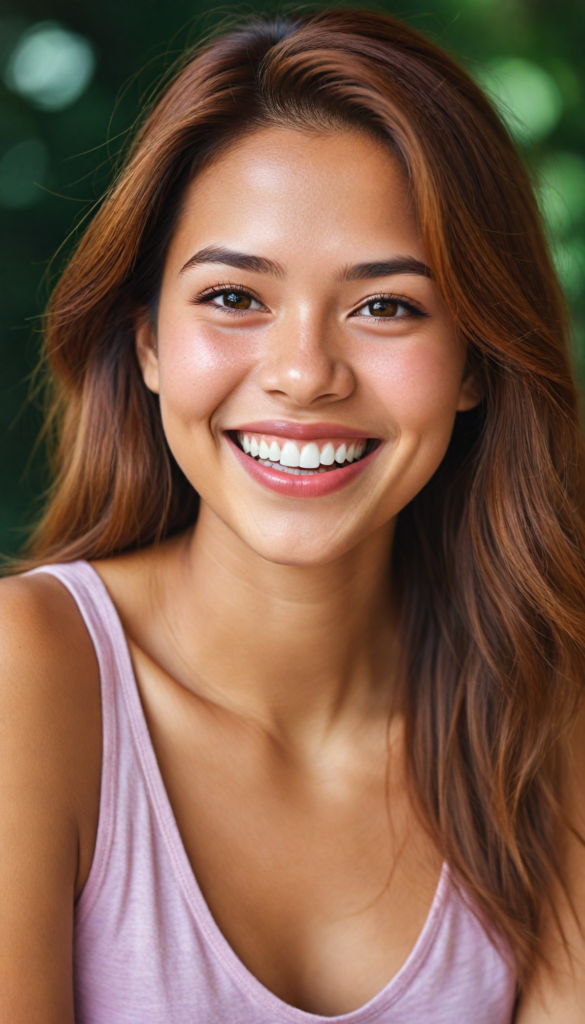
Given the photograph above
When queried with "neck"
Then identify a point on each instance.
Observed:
(298, 648)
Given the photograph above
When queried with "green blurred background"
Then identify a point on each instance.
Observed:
(72, 79)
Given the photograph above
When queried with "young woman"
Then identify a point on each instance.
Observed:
(290, 724)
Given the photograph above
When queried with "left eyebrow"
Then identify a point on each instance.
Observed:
(230, 258)
(385, 268)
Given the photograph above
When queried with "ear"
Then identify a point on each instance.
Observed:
(147, 353)
(470, 394)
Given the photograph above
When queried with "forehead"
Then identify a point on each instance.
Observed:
(290, 192)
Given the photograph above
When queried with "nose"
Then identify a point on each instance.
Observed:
(303, 363)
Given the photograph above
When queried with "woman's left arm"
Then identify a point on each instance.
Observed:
(557, 991)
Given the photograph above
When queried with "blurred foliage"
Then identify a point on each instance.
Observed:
(72, 79)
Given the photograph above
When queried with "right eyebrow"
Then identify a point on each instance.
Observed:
(385, 268)
(232, 258)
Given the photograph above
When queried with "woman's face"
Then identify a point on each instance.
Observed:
(308, 370)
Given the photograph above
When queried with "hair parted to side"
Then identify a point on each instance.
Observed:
(490, 556)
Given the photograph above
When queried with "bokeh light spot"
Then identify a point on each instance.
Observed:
(562, 190)
(569, 258)
(50, 66)
(22, 170)
(528, 97)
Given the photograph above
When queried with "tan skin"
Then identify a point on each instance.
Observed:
(263, 641)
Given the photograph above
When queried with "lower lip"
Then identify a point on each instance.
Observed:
(293, 486)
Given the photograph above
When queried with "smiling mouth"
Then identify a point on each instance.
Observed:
(305, 459)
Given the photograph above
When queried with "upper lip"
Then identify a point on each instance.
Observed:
(300, 431)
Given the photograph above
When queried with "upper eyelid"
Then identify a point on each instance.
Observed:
(220, 289)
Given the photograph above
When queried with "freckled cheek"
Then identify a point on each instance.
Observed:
(198, 371)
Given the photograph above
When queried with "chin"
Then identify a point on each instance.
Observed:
(304, 547)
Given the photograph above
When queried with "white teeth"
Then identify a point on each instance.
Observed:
(310, 456)
(290, 455)
(328, 455)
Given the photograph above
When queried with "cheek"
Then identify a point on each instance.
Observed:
(199, 368)
(418, 384)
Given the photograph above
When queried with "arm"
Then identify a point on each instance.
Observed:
(49, 793)
(557, 992)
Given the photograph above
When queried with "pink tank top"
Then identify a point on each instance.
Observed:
(146, 948)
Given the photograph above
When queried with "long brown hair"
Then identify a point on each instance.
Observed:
(489, 557)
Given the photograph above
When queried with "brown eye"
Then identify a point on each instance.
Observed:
(386, 307)
(231, 298)
(236, 300)
(382, 307)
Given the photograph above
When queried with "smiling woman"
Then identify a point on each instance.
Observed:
(304, 319)
(290, 718)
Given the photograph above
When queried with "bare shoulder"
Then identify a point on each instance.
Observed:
(48, 667)
(50, 760)
(39, 609)
(50, 713)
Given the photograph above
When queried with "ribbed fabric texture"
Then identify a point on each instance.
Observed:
(146, 948)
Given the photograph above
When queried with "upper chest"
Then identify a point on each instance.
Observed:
(320, 880)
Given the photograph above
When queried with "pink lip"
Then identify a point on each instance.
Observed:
(290, 485)
(299, 431)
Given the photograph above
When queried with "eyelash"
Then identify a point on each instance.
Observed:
(411, 307)
(223, 289)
